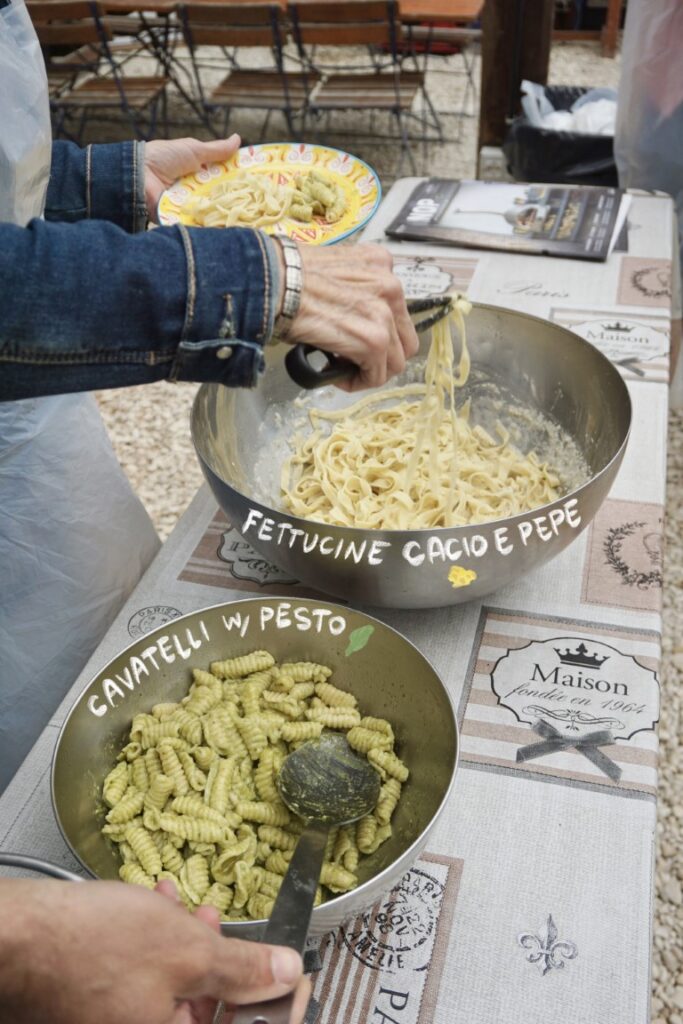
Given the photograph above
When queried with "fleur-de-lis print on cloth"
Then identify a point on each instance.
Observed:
(546, 949)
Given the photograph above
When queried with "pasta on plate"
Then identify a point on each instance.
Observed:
(255, 200)
(193, 797)
(405, 458)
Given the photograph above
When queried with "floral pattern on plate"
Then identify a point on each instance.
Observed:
(282, 161)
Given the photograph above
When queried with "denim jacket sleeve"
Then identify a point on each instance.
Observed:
(86, 303)
(104, 182)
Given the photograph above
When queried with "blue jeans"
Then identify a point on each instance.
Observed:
(89, 299)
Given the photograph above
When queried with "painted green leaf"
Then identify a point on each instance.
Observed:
(358, 639)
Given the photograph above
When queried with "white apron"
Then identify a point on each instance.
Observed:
(74, 539)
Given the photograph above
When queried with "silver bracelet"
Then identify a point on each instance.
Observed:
(294, 279)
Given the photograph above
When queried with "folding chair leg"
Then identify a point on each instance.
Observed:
(405, 142)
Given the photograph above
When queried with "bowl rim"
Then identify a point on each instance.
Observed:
(408, 854)
(439, 530)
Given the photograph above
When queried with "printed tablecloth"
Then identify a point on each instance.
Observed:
(533, 900)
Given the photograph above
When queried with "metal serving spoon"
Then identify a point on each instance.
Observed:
(326, 784)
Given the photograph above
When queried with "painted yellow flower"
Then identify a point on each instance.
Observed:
(460, 577)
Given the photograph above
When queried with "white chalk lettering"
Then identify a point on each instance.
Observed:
(337, 625)
(412, 554)
(237, 622)
(204, 631)
(253, 516)
(543, 532)
(571, 512)
(149, 655)
(126, 679)
(282, 617)
(375, 556)
(326, 549)
(95, 707)
(110, 689)
(139, 668)
(267, 613)
(525, 530)
(184, 652)
(265, 531)
(164, 645)
(500, 537)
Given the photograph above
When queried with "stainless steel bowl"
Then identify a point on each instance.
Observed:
(388, 675)
(523, 362)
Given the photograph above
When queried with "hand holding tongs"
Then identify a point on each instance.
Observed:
(307, 376)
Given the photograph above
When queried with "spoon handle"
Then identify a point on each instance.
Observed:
(291, 916)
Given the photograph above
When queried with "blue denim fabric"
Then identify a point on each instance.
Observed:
(98, 183)
(89, 305)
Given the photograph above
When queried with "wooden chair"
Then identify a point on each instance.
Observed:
(245, 24)
(372, 23)
(94, 78)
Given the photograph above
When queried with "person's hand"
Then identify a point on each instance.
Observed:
(166, 160)
(107, 952)
(353, 305)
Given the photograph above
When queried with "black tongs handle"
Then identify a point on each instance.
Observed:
(335, 369)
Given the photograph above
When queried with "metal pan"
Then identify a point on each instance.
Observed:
(556, 393)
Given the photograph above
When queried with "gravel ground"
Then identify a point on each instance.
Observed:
(149, 430)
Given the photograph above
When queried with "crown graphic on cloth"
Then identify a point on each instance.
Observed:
(624, 328)
(580, 657)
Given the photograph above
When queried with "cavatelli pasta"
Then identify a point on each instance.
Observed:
(195, 776)
(115, 784)
(171, 858)
(155, 731)
(194, 876)
(202, 700)
(136, 875)
(159, 791)
(366, 830)
(305, 671)
(173, 768)
(388, 798)
(189, 726)
(334, 697)
(218, 896)
(204, 757)
(294, 732)
(198, 829)
(164, 710)
(278, 862)
(141, 843)
(337, 878)
(207, 679)
(364, 740)
(277, 837)
(245, 665)
(193, 797)
(128, 807)
(265, 813)
(264, 777)
(388, 764)
(253, 736)
(334, 718)
(139, 775)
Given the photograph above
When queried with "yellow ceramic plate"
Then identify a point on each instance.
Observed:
(282, 161)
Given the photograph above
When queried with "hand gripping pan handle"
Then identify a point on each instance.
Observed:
(334, 369)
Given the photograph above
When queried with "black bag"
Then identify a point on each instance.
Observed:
(542, 154)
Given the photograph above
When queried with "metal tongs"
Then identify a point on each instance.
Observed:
(308, 376)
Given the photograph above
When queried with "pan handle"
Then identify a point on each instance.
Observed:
(308, 376)
(42, 867)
